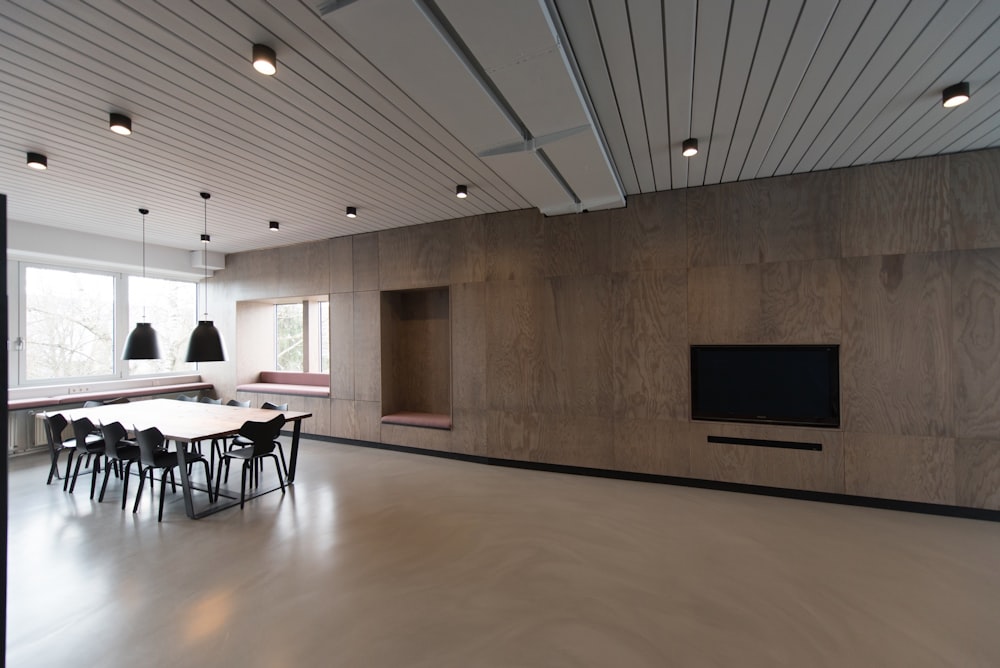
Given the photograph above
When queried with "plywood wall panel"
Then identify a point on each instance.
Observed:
(366, 261)
(414, 257)
(304, 270)
(577, 244)
(513, 435)
(342, 345)
(416, 352)
(897, 207)
(772, 467)
(650, 233)
(900, 467)
(975, 198)
(369, 417)
(468, 326)
(650, 345)
(470, 432)
(367, 347)
(659, 447)
(576, 362)
(258, 274)
(976, 342)
(896, 360)
(344, 419)
(342, 264)
(514, 344)
(723, 225)
(977, 472)
(800, 302)
(468, 249)
(800, 216)
(515, 245)
(724, 304)
(321, 409)
(438, 440)
(577, 441)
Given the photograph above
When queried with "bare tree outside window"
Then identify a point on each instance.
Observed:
(288, 337)
(70, 323)
(170, 307)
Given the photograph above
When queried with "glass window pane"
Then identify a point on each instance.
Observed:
(171, 308)
(288, 337)
(69, 324)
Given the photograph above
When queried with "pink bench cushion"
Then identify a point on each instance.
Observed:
(284, 388)
(295, 378)
(416, 419)
(103, 395)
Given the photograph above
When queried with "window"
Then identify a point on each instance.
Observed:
(324, 337)
(170, 307)
(288, 337)
(69, 324)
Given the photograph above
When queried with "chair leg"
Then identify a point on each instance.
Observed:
(93, 476)
(142, 485)
(243, 485)
(104, 485)
(277, 467)
(218, 479)
(76, 472)
(128, 469)
(208, 480)
(281, 451)
(173, 482)
(69, 464)
(163, 488)
(54, 468)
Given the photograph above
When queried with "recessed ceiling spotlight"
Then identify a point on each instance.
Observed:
(264, 60)
(273, 226)
(956, 95)
(37, 161)
(461, 192)
(121, 124)
(352, 212)
(689, 147)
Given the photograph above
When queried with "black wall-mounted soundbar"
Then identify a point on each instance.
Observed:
(764, 443)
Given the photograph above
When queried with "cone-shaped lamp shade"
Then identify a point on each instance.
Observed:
(141, 344)
(206, 344)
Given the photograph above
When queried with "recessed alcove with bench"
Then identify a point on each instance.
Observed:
(416, 358)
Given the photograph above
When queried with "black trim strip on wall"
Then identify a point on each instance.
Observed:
(781, 492)
(765, 443)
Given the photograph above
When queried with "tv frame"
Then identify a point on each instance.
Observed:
(834, 368)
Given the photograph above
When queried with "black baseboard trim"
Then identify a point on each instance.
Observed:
(765, 443)
(963, 512)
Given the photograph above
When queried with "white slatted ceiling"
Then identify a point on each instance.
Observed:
(767, 86)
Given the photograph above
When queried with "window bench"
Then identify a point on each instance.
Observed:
(417, 419)
(104, 395)
(289, 382)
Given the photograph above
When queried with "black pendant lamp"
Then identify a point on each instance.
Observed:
(141, 343)
(206, 343)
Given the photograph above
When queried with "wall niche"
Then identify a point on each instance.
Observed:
(416, 357)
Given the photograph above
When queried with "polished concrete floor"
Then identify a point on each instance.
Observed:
(380, 559)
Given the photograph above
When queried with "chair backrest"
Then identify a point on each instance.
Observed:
(184, 397)
(82, 428)
(116, 401)
(113, 434)
(149, 441)
(241, 404)
(274, 407)
(262, 434)
(55, 425)
(91, 404)
(209, 400)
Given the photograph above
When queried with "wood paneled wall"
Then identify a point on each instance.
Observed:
(570, 335)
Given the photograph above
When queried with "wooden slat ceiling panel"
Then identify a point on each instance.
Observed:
(767, 87)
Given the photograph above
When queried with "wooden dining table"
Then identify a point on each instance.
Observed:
(187, 422)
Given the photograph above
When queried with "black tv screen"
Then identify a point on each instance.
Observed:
(792, 385)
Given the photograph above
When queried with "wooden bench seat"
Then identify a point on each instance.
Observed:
(104, 395)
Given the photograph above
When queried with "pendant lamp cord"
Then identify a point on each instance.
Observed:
(144, 286)
(204, 255)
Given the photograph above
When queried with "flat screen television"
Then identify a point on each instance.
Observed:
(790, 385)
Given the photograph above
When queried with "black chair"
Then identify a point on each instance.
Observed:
(209, 400)
(153, 456)
(88, 443)
(241, 404)
(262, 437)
(55, 425)
(184, 397)
(117, 449)
(242, 442)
